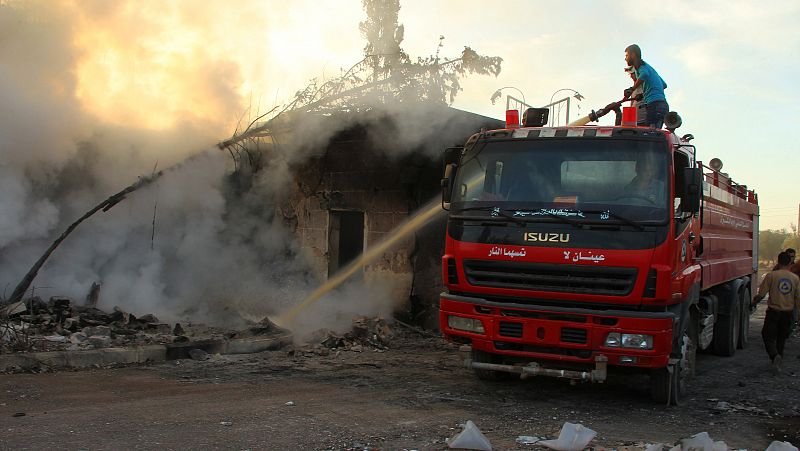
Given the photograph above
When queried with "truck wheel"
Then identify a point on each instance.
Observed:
(726, 332)
(487, 375)
(669, 387)
(744, 328)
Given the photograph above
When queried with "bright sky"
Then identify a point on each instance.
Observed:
(732, 67)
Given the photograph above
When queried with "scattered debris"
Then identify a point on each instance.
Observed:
(424, 333)
(97, 331)
(723, 406)
(12, 309)
(527, 440)
(199, 354)
(366, 333)
(470, 438)
(33, 325)
(263, 327)
(573, 437)
(99, 341)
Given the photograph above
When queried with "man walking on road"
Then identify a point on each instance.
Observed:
(652, 83)
(783, 288)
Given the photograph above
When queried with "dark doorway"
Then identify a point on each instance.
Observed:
(345, 238)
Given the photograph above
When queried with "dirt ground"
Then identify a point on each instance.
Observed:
(412, 396)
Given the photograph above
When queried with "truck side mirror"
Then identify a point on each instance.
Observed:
(692, 190)
(450, 160)
(447, 182)
(452, 155)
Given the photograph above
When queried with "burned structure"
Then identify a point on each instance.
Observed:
(365, 181)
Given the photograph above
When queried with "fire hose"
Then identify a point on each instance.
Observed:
(616, 107)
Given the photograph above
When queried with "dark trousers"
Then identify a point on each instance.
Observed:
(777, 328)
(655, 113)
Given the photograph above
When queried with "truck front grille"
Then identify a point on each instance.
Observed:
(570, 335)
(602, 280)
(511, 329)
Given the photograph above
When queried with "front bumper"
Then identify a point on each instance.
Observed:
(560, 336)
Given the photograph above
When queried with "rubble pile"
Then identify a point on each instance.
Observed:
(366, 333)
(60, 324)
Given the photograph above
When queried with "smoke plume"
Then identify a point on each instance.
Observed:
(96, 94)
(177, 248)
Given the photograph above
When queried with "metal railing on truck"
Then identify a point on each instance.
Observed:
(723, 181)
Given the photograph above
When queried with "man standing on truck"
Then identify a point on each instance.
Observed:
(783, 288)
(637, 99)
(652, 83)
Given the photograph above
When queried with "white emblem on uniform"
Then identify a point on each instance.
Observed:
(784, 286)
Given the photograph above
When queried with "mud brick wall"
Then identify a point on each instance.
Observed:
(351, 175)
(356, 173)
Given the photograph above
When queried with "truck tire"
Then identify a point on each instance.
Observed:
(487, 375)
(664, 386)
(669, 387)
(726, 331)
(744, 328)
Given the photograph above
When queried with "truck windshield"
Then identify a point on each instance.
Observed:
(597, 179)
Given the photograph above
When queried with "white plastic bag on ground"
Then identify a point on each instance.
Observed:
(573, 437)
(781, 446)
(702, 442)
(470, 438)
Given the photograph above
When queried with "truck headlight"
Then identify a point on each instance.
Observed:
(465, 324)
(637, 341)
(634, 341)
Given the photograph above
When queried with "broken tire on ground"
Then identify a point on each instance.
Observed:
(488, 375)
(744, 327)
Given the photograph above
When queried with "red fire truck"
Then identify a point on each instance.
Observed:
(578, 248)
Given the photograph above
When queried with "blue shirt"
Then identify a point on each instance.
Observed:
(653, 84)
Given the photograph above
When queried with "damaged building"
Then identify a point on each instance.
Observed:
(363, 183)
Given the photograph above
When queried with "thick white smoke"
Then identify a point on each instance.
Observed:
(194, 245)
(198, 257)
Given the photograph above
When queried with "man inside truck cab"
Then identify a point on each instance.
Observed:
(645, 186)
